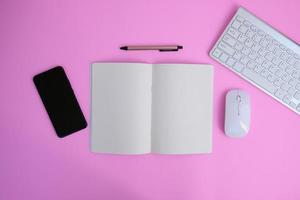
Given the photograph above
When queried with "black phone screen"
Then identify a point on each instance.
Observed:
(60, 102)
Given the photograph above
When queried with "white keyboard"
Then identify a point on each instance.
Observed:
(261, 55)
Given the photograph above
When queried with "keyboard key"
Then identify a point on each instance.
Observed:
(286, 99)
(239, 18)
(260, 60)
(292, 104)
(293, 82)
(226, 48)
(284, 56)
(275, 42)
(297, 56)
(243, 29)
(276, 61)
(285, 86)
(224, 57)
(234, 33)
(266, 64)
(298, 107)
(282, 47)
(258, 69)
(250, 33)
(291, 61)
(264, 42)
(297, 65)
(269, 56)
(261, 33)
(280, 93)
(245, 60)
(256, 38)
(239, 46)
(230, 62)
(289, 70)
(277, 52)
(279, 72)
(273, 69)
(285, 77)
(265, 73)
(262, 52)
(229, 40)
(271, 47)
(236, 24)
(248, 43)
(278, 82)
(271, 78)
(217, 52)
(246, 23)
(289, 51)
(237, 55)
(238, 66)
(298, 86)
(292, 91)
(297, 95)
(246, 51)
(256, 47)
(268, 38)
(253, 55)
(242, 38)
(259, 80)
(296, 74)
(283, 65)
(253, 28)
(251, 64)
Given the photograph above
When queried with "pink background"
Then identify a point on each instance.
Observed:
(35, 164)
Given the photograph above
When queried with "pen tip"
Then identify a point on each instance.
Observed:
(180, 47)
(124, 48)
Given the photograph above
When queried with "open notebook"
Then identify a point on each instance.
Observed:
(161, 108)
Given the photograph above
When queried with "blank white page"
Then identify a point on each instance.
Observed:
(121, 108)
(181, 108)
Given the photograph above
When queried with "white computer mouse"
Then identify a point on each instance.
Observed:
(237, 113)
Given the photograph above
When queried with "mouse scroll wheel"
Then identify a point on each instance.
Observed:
(239, 98)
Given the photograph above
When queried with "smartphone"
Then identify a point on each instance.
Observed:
(60, 102)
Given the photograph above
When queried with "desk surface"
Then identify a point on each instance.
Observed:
(35, 164)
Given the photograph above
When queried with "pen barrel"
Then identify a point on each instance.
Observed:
(167, 47)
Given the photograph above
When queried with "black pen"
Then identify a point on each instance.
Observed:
(154, 47)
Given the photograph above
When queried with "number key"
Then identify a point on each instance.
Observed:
(243, 29)
(236, 24)
(234, 33)
(250, 33)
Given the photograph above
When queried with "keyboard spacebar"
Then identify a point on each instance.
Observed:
(259, 80)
